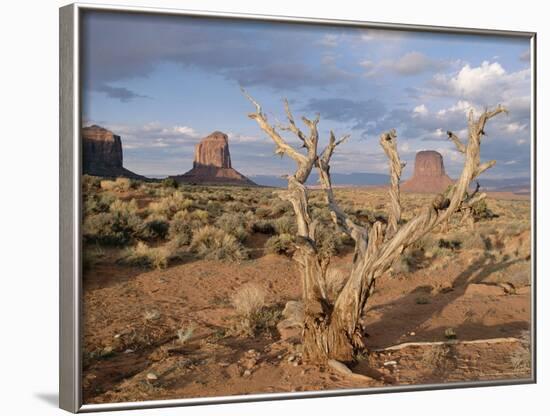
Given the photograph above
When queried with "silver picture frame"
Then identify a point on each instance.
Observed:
(70, 261)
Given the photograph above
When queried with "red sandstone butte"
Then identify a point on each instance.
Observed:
(429, 174)
(212, 164)
(102, 153)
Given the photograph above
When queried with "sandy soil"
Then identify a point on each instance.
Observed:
(132, 315)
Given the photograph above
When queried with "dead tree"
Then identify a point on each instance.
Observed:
(331, 329)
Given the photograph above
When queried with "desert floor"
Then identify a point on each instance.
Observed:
(160, 321)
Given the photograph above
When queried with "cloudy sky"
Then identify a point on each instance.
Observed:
(163, 82)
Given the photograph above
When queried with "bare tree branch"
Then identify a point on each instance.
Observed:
(282, 145)
(388, 141)
(458, 143)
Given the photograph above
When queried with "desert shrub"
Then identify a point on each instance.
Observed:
(119, 184)
(96, 203)
(280, 244)
(200, 216)
(236, 206)
(262, 212)
(286, 225)
(280, 207)
(452, 245)
(264, 227)
(481, 211)
(328, 240)
(321, 214)
(145, 256)
(422, 300)
(235, 223)
(111, 228)
(180, 229)
(170, 183)
(249, 304)
(214, 208)
(90, 184)
(213, 243)
(450, 333)
(171, 204)
(153, 228)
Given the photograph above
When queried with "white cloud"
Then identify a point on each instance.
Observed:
(487, 84)
(421, 110)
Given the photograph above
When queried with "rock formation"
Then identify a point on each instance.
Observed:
(429, 174)
(102, 153)
(212, 164)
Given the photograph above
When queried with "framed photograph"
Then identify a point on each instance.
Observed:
(260, 207)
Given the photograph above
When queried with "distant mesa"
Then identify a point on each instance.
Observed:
(102, 154)
(212, 164)
(429, 174)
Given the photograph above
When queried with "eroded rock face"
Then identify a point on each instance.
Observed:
(213, 150)
(429, 174)
(102, 153)
(212, 164)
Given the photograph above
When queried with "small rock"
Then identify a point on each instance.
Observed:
(296, 364)
(223, 364)
(412, 334)
(128, 351)
(339, 367)
(247, 373)
(291, 358)
(117, 336)
(152, 376)
(251, 352)
(388, 363)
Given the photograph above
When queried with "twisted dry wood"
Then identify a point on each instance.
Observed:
(388, 141)
(332, 331)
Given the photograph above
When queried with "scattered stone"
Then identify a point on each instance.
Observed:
(152, 376)
(294, 312)
(247, 373)
(128, 351)
(393, 363)
(412, 334)
(291, 358)
(339, 367)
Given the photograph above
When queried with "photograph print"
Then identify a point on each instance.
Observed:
(280, 207)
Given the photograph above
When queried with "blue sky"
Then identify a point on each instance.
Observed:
(164, 82)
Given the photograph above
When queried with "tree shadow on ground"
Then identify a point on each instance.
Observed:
(403, 315)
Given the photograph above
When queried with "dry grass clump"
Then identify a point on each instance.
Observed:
(171, 204)
(153, 228)
(117, 227)
(280, 244)
(118, 185)
(252, 314)
(213, 243)
(236, 224)
(144, 256)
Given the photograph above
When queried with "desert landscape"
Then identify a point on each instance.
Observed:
(275, 208)
(191, 291)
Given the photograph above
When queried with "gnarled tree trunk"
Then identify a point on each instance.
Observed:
(331, 329)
